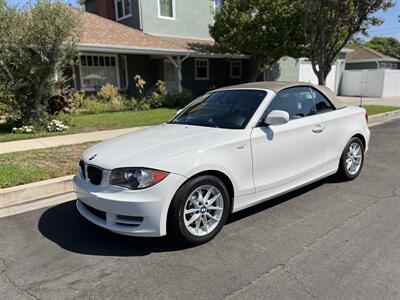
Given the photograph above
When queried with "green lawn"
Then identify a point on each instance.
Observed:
(114, 120)
(378, 109)
(94, 122)
(35, 165)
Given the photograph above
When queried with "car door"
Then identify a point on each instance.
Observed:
(335, 127)
(288, 152)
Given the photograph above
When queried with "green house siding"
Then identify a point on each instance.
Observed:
(361, 65)
(287, 69)
(192, 18)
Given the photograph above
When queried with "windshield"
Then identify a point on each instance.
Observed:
(231, 109)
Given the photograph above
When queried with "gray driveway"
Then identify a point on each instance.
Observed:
(328, 240)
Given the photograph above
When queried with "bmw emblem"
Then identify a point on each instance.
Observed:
(203, 210)
(92, 157)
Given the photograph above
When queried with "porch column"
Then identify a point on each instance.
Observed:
(178, 67)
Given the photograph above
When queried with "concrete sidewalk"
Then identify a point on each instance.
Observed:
(68, 139)
(390, 101)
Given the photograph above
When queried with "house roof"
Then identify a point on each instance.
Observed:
(361, 53)
(101, 34)
(277, 86)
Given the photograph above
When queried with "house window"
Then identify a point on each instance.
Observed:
(123, 9)
(201, 69)
(98, 70)
(217, 5)
(236, 69)
(166, 9)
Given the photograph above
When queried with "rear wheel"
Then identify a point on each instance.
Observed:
(199, 210)
(352, 160)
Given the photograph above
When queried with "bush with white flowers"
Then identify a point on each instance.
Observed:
(56, 126)
(24, 129)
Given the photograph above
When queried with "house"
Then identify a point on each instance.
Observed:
(157, 39)
(300, 69)
(362, 58)
(369, 73)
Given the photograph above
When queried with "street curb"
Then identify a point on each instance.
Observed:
(36, 191)
(384, 117)
(54, 191)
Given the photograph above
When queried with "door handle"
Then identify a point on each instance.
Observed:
(318, 129)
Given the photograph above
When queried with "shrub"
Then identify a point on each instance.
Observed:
(61, 100)
(56, 126)
(78, 100)
(24, 129)
(93, 106)
(107, 92)
(180, 100)
(118, 103)
(138, 104)
(36, 40)
(140, 83)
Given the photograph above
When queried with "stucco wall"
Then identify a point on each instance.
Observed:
(287, 69)
(191, 18)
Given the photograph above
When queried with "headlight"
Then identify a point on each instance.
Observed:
(136, 178)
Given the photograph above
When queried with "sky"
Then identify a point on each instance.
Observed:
(391, 26)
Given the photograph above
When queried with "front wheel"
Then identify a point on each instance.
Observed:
(199, 210)
(352, 160)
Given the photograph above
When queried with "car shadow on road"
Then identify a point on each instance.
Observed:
(63, 225)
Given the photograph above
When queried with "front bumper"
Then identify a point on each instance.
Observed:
(130, 212)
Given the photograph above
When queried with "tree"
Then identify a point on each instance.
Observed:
(386, 45)
(36, 42)
(330, 24)
(265, 29)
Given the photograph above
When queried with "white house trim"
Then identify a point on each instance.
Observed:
(196, 60)
(173, 18)
(122, 49)
(231, 69)
(98, 54)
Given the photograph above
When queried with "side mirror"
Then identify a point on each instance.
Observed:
(277, 117)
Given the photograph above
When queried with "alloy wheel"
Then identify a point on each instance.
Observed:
(354, 158)
(203, 210)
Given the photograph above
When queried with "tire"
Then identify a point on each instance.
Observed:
(353, 156)
(189, 220)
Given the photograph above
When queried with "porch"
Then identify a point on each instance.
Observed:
(113, 53)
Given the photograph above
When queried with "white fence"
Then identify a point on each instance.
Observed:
(371, 83)
(307, 74)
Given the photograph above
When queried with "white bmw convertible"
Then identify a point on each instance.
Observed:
(230, 149)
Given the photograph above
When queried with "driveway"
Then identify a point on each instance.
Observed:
(328, 240)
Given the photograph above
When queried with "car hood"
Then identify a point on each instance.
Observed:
(141, 148)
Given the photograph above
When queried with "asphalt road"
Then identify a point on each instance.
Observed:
(328, 240)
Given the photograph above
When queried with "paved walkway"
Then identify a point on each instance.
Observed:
(69, 139)
(391, 101)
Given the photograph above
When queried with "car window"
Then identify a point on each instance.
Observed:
(321, 103)
(224, 109)
(298, 102)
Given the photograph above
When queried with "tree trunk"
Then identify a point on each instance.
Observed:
(321, 78)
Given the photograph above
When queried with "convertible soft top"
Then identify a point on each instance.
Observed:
(277, 86)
